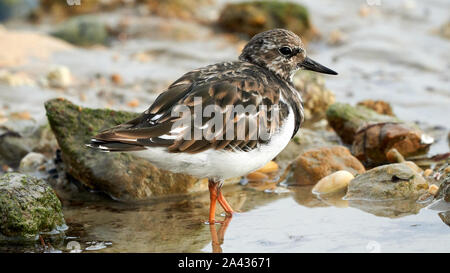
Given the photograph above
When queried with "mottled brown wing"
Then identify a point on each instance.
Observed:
(158, 126)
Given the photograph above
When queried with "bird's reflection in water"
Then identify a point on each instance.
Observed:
(217, 236)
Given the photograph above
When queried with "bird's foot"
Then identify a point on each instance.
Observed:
(213, 222)
(230, 214)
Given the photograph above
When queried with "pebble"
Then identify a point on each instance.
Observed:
(433, 189)
(364, 11)
(269, 167)
(257, 176)
(427, 172)
(133, 103)
(24, 115)
(59, 77)
(31, 162)
(334, 182)
(116, 78)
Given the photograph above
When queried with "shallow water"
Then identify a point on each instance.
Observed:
(296, 221)
(390, 54)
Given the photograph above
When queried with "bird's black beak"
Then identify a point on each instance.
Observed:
(309, 64)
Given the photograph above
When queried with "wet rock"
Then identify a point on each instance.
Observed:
(32, 162)
(16, 8)
(316, 164)
(12, 148)
(335, 182)
(270, 167)
(83, 31)
(316, 97)
(373, 142)
(182, 9)
(444, 180)
(44, 141)
(59, 77)
(379, 106)
(305, 140)
(121, 175)
(388, 182)
(257, 176)
(29, 137)
(445, 217)
(268, 173)
(254, 17)
(27, 206)
(346, 120)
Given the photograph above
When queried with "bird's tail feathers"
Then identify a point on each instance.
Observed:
(113, 146)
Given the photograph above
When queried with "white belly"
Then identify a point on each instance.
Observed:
(221, 164)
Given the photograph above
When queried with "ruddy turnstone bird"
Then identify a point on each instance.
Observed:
(251, 111)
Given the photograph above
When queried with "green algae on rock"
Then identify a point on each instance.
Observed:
(83, 31)
(346, 119)
(388, 182)
(254, 17)
(121, 175)
(28, 206)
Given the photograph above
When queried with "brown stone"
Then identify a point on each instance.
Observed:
(315, 164)
(379, 106)
(373, 142)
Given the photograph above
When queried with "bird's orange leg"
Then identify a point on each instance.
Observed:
(229, 211)
(213, 189)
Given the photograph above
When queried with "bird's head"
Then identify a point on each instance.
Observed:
(282, 52)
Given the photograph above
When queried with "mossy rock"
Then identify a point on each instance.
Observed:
(28, 206)
(83, 31)
(346, 119)
(121, 175)
(253, 17)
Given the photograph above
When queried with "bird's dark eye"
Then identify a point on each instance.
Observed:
(285, 50)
